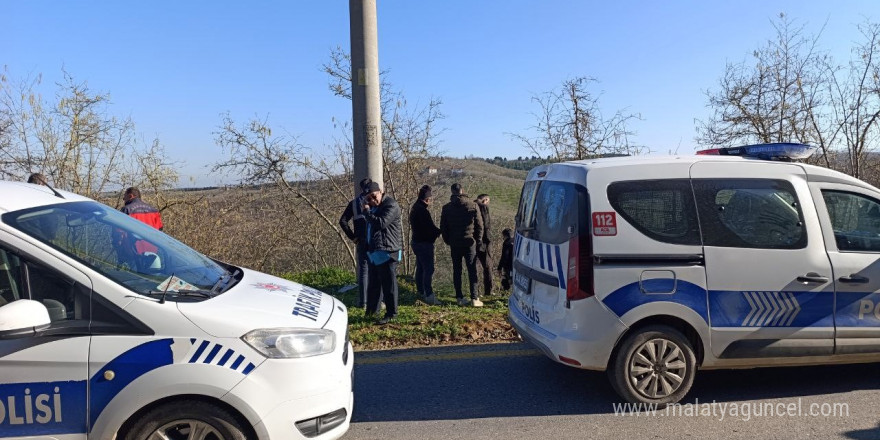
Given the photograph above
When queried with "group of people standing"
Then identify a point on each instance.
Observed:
(464, 226)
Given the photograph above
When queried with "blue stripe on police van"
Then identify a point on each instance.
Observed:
(225, 357)
(858, 309)
(541, 255)
(549, 259)
(772, 309)
(213, 353)
(248, 369)
(198, 352)
(562, 279)
(630, 296)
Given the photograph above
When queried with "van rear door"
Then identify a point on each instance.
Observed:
(551, 223)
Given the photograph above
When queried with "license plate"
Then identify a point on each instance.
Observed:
(523, 283)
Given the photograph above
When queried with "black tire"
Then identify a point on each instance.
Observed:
(653, 382)
(177, 418)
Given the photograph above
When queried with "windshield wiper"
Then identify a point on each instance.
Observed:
(225, 281)
(230, 282)
(199, 293)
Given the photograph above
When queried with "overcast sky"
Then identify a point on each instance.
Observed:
(176, 66)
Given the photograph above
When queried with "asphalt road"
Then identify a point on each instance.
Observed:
(510, 391)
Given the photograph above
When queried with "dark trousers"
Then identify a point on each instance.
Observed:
(383, 284)
(424, 267)
(470, 259)
(485, 260)
(363, 270)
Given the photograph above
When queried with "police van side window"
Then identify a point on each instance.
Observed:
(750, 213)
(855, 220)
(661, 209)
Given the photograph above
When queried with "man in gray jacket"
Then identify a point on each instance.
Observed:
(384, 243)
(461, 226)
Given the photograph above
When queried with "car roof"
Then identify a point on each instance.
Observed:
(21, 195)
(814, 173)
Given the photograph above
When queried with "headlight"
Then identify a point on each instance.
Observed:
(284, 343)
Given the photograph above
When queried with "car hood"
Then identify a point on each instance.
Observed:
(261, 301)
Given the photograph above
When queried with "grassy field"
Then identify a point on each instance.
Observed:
(417, 323)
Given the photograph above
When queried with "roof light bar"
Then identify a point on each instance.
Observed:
(776, 151)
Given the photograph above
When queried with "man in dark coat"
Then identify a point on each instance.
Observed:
(384, 243)
(424, 234)
(483, 255)
(461, 226)
(353, 214)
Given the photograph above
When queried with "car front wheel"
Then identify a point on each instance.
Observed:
(190, 420)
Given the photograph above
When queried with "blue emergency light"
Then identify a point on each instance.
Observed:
(776, 151)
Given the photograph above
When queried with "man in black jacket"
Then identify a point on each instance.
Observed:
(424, 234)
(382, 215)
(359, 237)
(462, 228)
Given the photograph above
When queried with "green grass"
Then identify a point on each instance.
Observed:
(417, 324)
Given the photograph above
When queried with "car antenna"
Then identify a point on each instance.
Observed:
(57, 194)
(162, 300)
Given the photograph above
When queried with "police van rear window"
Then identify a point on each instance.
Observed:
(549, 211)
(661, 209)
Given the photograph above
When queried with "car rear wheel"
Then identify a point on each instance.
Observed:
(654, 365)
(187, 420)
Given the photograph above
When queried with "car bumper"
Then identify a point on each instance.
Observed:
(288, 398)
(588, 337)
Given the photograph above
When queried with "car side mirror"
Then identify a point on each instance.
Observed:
(23, 318)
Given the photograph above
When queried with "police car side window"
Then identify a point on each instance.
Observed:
(855, 220)
(10, 278)
(56, 292)
(661, 209)
(750, 213)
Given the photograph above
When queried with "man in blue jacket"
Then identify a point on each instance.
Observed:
(382, 215)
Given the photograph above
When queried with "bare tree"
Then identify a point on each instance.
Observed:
(854, 94)
(304, 181)
(776, 98)
(74, 140)
(570, 124)
(795, 92)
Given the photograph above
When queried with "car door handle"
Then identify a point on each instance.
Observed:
(854, 279)
(812, 278)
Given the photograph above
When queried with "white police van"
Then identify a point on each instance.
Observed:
(650, 268)
(110, 329)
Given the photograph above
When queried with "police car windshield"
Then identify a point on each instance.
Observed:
(126, 250)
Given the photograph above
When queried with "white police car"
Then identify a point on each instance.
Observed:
(111, 329)
(650, 268)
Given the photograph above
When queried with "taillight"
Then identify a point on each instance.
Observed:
(580, 270)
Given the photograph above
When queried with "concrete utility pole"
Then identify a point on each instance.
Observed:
(365, 107)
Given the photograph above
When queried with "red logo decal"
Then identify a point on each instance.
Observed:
(604, 223)
(272, 287)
